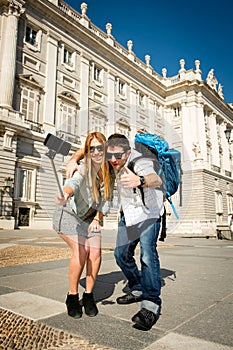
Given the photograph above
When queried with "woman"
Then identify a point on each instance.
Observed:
(78, 221)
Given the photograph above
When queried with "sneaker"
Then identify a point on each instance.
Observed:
(74, 308)
(89, 304)
(128, 298)
(145, 319)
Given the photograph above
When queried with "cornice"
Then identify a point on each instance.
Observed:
(207, 93)
(95, 45)
(212, 96)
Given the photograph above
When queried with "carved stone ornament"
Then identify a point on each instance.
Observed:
(211, 79)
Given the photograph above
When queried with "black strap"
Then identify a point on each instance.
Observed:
(163, 232)
(131, 167)
(89, 215)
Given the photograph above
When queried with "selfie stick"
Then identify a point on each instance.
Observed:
(56, 146)
(50, 155)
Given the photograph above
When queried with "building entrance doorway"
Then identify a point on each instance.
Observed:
(24, 215)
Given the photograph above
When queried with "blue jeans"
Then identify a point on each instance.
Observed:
(149, 280)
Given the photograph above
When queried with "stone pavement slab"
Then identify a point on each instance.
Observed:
(174, 341)
(30, 305)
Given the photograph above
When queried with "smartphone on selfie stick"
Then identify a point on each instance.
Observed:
(56, 145)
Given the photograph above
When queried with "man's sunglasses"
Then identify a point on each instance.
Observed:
(99, 148)
(117, 155)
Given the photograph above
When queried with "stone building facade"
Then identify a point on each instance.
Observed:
(61, 74)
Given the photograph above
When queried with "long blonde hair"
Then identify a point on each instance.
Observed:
(105, 174)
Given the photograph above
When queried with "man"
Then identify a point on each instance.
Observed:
(139, 223)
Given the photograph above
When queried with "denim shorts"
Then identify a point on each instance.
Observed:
(66, 221)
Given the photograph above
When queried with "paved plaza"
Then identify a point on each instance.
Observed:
(197, 294)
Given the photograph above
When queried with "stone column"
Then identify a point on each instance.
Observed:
(226, 148)
(201, 134)
(111, 103)
(10, 17)
(50, 84)
(151, 115)
(84, 99)
(133, 110)
(187, 131)
(214, 140)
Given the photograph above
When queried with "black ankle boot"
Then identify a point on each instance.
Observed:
(89, 304)
(74, 308)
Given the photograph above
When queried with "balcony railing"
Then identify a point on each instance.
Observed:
(34, 126)
(68, 137)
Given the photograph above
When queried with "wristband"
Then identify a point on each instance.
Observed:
(97, 219)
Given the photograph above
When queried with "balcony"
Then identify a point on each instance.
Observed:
(68, 137)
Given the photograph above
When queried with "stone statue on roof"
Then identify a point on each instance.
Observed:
(220, 92)
(211, 79)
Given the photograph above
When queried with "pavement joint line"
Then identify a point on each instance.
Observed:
(173, 341)
(200, 313)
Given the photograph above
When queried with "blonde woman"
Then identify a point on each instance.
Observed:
(86, 199)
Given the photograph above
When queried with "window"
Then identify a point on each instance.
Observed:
(67, 58)
(68, 121)
(31, 36)
(29, 104)
(218, 202)
(67, 118)
(121, 88)
(176, 111)
(123, 129)
(98, 75)
(25, 184)
(229, 204)
(141, 100)
(98, 122)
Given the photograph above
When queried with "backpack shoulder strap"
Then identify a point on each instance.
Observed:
(131, 165)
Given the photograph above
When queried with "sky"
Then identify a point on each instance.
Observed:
(170, 30)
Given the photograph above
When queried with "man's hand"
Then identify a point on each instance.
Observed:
(71, 167)
(129, 179)
(72, 164)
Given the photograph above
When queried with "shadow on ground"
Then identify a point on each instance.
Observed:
(105, 283)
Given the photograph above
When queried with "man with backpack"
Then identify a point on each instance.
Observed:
(139, 224)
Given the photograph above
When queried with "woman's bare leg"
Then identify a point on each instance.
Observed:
(93, 245)
(77, 261)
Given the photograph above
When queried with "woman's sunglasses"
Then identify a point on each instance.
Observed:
(99, 148)
(117, 155)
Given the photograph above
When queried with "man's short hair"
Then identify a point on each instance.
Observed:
(118, 140)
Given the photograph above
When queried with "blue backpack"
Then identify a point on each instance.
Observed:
(168, 158)
(167, 163)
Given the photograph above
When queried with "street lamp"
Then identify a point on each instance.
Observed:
(228, 134)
